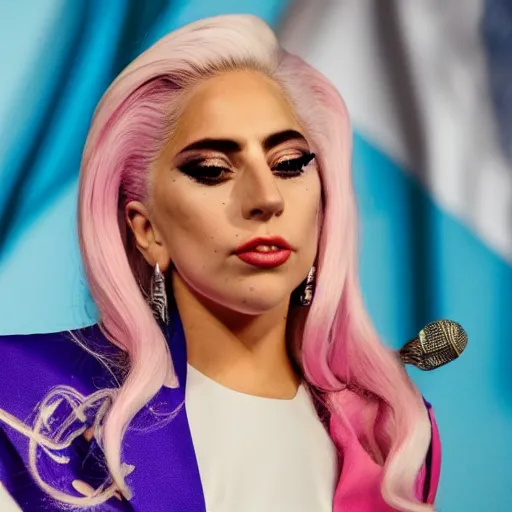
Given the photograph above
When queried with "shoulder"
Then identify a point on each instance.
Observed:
(350, 433)
(35, 363)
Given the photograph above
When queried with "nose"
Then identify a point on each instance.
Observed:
(262, 197)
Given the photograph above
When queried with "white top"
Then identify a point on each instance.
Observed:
(259, 454)
(7, 504)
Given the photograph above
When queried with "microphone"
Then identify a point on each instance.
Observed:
(437, 344)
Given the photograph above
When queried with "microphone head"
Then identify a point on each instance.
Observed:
(436, 345)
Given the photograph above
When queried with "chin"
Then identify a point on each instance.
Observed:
(255, 300)
(253, 296)
(256, 307)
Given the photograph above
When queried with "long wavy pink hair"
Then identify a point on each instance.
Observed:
(340, 351)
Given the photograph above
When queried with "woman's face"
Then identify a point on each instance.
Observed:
(237, 169)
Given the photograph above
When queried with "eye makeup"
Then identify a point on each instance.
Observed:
(214, 171)
(207, 171)
(292, 167)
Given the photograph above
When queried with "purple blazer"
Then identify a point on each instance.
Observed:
(165, 475)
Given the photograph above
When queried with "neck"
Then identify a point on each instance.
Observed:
(247, 353)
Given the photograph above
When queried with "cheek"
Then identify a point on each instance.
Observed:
(190, 223)
(306, 203)
(195, 227)
(313, 208)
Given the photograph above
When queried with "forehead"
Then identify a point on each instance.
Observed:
(239, 105)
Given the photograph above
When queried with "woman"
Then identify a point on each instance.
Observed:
(215, 201)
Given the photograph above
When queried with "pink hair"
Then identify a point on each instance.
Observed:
(341, 353)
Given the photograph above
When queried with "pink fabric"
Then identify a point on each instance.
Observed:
(435, 466)
(358, 488)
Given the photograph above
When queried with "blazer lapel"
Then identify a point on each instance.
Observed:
(158, 445)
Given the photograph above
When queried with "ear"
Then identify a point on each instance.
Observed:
(148, 239)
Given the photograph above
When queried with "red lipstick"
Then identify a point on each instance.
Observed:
(264, 252)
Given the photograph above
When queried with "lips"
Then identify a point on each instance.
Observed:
(264, 252)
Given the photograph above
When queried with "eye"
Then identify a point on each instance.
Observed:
(293, 167)
(205, 174)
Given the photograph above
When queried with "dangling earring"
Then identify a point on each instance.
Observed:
(158, 296)
(306, 296)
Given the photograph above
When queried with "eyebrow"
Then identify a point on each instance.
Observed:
(232, 146)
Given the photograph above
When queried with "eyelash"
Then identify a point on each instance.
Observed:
(213, 174)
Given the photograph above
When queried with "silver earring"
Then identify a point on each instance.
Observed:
(306, 297)
(158, 296)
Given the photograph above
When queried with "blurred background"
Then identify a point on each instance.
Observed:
(428, 84)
